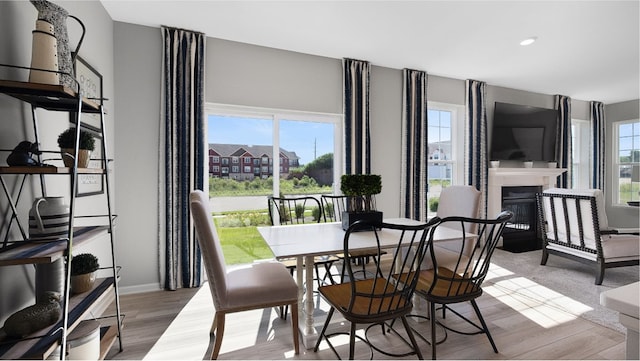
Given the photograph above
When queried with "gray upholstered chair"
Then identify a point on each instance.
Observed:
(256, 286)
(575, 226)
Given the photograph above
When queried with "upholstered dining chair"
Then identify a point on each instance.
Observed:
(259, 285)
(379, 298)
(461, 281)
(459, 201)
(333, 206)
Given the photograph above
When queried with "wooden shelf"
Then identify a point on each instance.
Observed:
(31, 252)
(48, 96)
(45, 341)
(48, 170)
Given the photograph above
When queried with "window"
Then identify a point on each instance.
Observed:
(215, 159)
(580, 156)
(446, 142)
(215, 169)
(276, 146)
(626, 157)
(225, 161)
(235, 169)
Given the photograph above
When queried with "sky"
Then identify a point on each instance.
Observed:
(295, 136)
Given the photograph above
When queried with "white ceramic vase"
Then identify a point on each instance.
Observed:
(48, 218)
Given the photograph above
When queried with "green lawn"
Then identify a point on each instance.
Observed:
(243, 245)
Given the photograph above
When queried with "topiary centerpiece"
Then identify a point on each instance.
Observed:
(360, 190)
(83, 272)
(67, 144)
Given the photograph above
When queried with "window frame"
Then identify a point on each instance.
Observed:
(277, 115)
(615, 161)
(458, 134)
(581, 143)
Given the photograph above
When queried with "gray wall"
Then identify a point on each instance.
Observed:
(129, 56)
(17, 20)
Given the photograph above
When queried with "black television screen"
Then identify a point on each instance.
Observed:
(523, 132)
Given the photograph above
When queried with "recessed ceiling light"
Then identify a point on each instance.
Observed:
(528, 41)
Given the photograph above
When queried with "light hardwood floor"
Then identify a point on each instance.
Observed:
(175, 325)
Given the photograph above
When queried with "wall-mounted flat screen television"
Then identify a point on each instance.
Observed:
(522, 132)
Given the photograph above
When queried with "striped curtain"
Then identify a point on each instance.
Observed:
(415, 150)
(598, 136)
(181, 154)
(356, 116)
(477, 172)
(563, 140)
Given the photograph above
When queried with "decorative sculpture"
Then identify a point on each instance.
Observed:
(35, 317)
(21, 155)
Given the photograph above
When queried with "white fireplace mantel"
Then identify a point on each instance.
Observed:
(515, 177)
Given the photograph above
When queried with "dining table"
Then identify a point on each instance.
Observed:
(306, 241)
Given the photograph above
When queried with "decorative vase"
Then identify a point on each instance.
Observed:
(82, 283)
(348, 218)
(44, 55)
(57, 16)
(84, 155)
(48, 218)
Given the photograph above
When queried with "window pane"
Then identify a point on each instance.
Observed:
(307, 152)
(628, 150)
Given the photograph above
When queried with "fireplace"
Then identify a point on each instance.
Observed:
(522, 231)
(520, 235)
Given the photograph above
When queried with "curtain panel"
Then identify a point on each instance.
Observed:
(415, 149)
(181, 154)
(563, 140)
(477, 173)
(597, 144)
(355, 77)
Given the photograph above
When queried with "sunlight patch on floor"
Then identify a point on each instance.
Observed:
(539, 304)
(191, 326)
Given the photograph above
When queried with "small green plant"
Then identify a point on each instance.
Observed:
(361, 189)
(84, 263)
(67, 139)
(433, 204)
(299, 210)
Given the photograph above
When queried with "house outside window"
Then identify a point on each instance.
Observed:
(626, 156)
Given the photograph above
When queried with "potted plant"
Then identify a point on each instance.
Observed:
(360, 190)
(83, 272)
(67, 144)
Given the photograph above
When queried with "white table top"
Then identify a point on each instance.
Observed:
(319, 239)
(623, 299)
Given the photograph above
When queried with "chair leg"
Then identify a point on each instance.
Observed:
(432, 315)
(324, 328)
(218, 328)
(295, 328)
(545, 256)
(412, 338)
(352, 340)
(484, 325)
(600, 273)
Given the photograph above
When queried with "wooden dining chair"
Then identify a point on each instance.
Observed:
(333, 206)
(461, 281)
(381, 297)
(256, 286)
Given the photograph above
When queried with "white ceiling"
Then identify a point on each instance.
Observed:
(588, 50)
